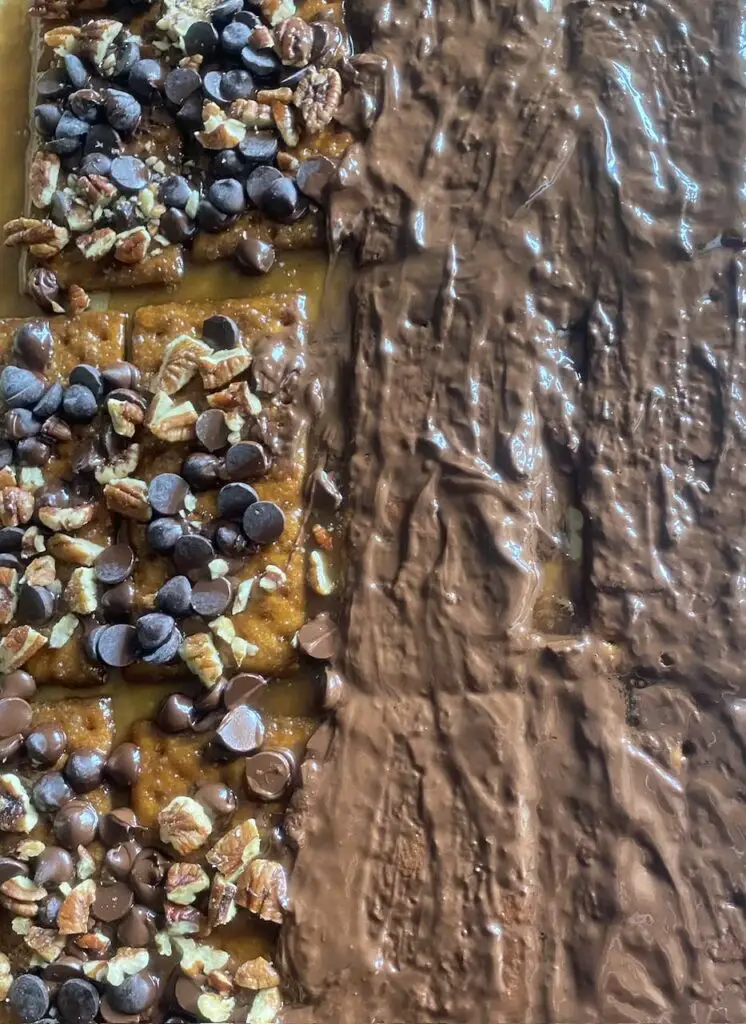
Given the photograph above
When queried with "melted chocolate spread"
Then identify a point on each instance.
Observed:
(513, 824)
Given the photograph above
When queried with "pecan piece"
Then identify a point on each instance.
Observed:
(63, 39)
(218, 368)
(78, 300)
(22, 889)
(294, 41)
(16, 647)
(256, 974)
(238, 397)
(57, 519)
(171, 422)
(179, 363)
(184, 882)
(125, 416)
(43, 238)
(182, 920)
(44, 174)
(96, 37)
(73, 915)
(97, 244)
(45, 943)
(263, 889)
(266, 1007)
(8, 594)
(184, 824)
(221, 908)
(6, 978)
(251, 113)
(81, 593)
(16, 506)
(201, 657)
(317, 97)
(220, 131)
(73, 550)
(41, 572)
(286, 120)
(198, 958)
(132, 246)
(215, 1008)
(56, 429)
(235, 849)
(122, 465)
(16, 812)
(129, 498)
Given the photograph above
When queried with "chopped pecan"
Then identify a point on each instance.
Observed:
(215, 1008)
(125, 416)
(16, 506)
(63, 39)
(235, 849)
(263, 889)
(16, 647)
(318, 575)
(75, 518)
(179, 363)
(44, 174)
(6, 978)
(96, 37)
(41, 572)
(318, 96)
(129, 498)
(286, 120)
(8, 594)
(262, 38)
(184, 824)
(79, 218)
(171, 422)
(132, 246)
(218, 368)
(78, 300)
(25, 890)
(94, 943)
(97, 244)
(62, 631)
(237, 396)
(86, 866)
(280, 95)
(31, 479)
(220, 131)
(73, 915)
(122, 465)
(95, 189)
(221, 907)
(43, 238)
(198, 959)
(182, 920)
(287, 163)
(45, 943)
(74, 550)
(33, 542)
(266, 1007)
(81, 593)
(201, 657)
(220, 981)
(29, 849)
(251, 113)
(294, 41)
(16, 812)
(184, 882)
(23, 910)
(127, 961)
(256, 974)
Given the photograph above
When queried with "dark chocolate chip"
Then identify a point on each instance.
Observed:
(210, 598)
(64, 968)
(167, 652)
(117, 646)
(174, 597)
(15, 716)
(318, 638)
(187, 993)
(49, 402)
(212, 85)
(189, 114)
(201, 38)
(70, 127)
(119, 826)
(35, 606)
(235, 499)
(162, 534)
(47, 910)
(313, 178)
(46, 118)
(112, 902)
(33, 452)
(6, 459)
(192, 552)
(269, 774)
(250, 18)
(282, 201)
(124, 764)
(146, 77)
(147, 876)
(18, 684)
(245, 688)
(221, 332)
(234, 37)
(11, 539)
(228, 164)
(175, 191)
(209, 217)
(102, 139)
(114, 564)
(43, 287)
(237, 84)
(77, 1001)
(20, 423)
(129, 174)
(32, 344)
(246, 460)
(212, 430)
(180, 84)
(230, 540)
(176, 226)
(28, 998)
(121, 375)
(45, 744)
(12, 868)
(218, 800)
(176, 713)
(53, 866)
(20, 388)
(76, 70)
(79, 404)
(90, 377)
(123, 112)
(53, 84)
(259, 149)
(117, 603)
(227, 196)
(259, 181)
(75, 824)
(263, 522)
(154, 629)
(226, 10)
(128, 54)
(138, 928)
(50, 792)
(167, 493)
(201, 471)
(241, 731)
(84, 769)
(86, 104)
(261, 63)
(254, 256)
(96, 163)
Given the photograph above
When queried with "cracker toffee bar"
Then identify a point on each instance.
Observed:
(141, 871)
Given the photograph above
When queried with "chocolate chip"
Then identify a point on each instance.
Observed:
(47, 910)
(118, 827)
(146, 77)
(230, 540)
(241, 731)
(201, 471)
(128, 53)
(20, 388)
(147, 876)
(33, 452)
(201, 38)
(15, 716)
(84, 769)
(96, 163)
(246, 460)
(29, 998)
(90, 377)
(50, 792)
(209, 218)
(263, 522)
(12, 562)
(269, 774)
(282, 201)
(244, 688)
(63, 968)
(187, 993)
(20, 423)
(154, 629)
(175, 191)
(117, 646)
(121, 375)
(254, 256)
(46, 118)
(32, 344)
(53, 867)
(77, 1001)
(6, 459)
(49, 402)
(43, 287)
(235, 499)
(79, 404)
(114, 564)
(210, 598)
(117, 603)
(192, 552)
(176, 226)
(212, 85)
(162, 534)
(237, 84)
(112, 902)
(313, 178)
(11, 539)
(251, 18)
(124, 764)
(138, 928)
(261, 63)
(226, 10)
(227, 196)
(76, 70)
(174, 597)
(221, 332)
(35, 606)
(234, 37)
(259, 181)
(102, 139)
(318, 638)
(53, 84)
(75, 824)
(176, 713)
(189, 114)
(212, 430)
(228, 164)
(218, 800)
(122, 110)
(86, 104)
(167, 652)
(45, 744)
(180, 84)
(70, 129)
(167, 493)
(129, 174)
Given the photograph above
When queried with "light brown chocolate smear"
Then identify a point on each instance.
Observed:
(516, 826)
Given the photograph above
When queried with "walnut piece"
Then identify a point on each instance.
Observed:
(201, 657)
(263, 889)
(218, 368)
(16, 812)
(41, 572)
(44, 174)
(235, 849)
(171, 422)
(256, 974)
(215, 1008)
(179, 363)
(16, 506)
(184, 824)
(57, 519)
(16, 647)
(129, 498)
(318, 96)
(266, 1007)
(73, 550)
(73, 915)
(43, 238)
(221, 907)
(132, 246)
(185, 881)
(8, 594)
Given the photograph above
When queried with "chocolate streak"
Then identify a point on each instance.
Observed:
(515, 826)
